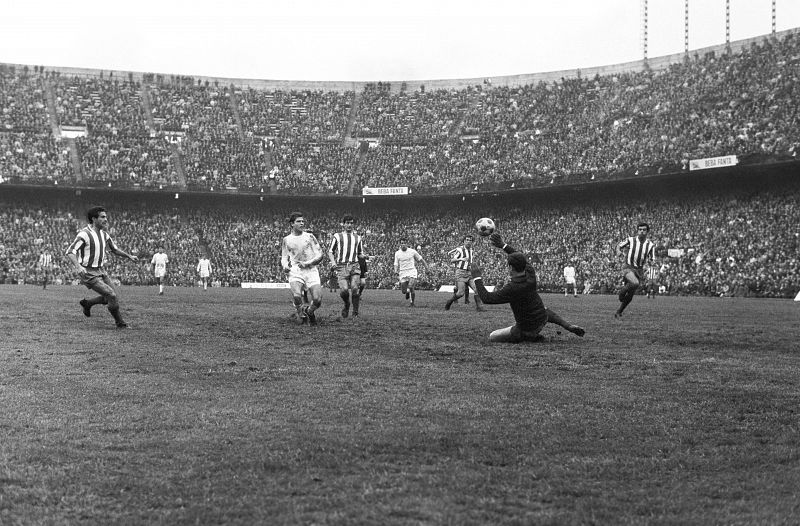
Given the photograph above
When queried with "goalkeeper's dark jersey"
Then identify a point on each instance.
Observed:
(521, 294)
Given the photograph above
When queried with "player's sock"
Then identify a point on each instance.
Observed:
(298, 306)
(97, 300)
(552, 317)
(413, 296)
(450, 302)
(345, 295)
(626, 301)
(356, 303)
(117, 316)
(577, 331)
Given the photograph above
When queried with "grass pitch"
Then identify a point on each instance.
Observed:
(215, 407)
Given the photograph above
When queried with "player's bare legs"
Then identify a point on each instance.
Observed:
(459, 292)
(355, 292)
(108, 296)
(628, 292)
(315, 296)
(297, 299)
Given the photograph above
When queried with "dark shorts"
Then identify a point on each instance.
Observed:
(94, 276)
(638, 272)
(463, 276)
(347, 270)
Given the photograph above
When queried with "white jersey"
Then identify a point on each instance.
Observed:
(405, 262)
(301, 248)
(159, 263)
(569, 274)
(204, 267)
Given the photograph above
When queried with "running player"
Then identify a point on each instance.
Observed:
(405, 264)
(636, 250)
(159, 264)
(88, 254)
(300, 255)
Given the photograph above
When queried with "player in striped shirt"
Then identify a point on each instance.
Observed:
(345, 249)
(88, 254)
(461, 259)
(651, 277)
(45, 265)
(637, 251)
(159, 263)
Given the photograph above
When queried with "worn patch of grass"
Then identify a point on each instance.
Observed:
(216, 408)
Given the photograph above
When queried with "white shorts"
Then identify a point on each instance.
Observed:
(160, 273)
(408, 274)
(570, 281)
(205, 274)
(307, 276)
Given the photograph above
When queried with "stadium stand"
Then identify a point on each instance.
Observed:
(728, 235)
(181, 134)
(482, 138)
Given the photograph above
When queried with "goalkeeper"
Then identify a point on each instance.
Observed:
(530, 314)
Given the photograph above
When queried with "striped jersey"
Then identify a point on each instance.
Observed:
(638, 252)
(90, 246)
(346, 247)
(461, 252)
(652, 274)
(45, 260)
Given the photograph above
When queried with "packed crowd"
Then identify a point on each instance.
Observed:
(116, 161)
(34, 157)
(448, 140)
(295, 116)
(716, 242)
(22, 101)
(104, 105)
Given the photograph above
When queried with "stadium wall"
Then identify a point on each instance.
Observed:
(657, 63)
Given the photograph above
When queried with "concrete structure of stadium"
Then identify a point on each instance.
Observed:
(657, 63)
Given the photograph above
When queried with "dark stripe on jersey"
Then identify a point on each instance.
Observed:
(638, 252)
(461, 253)
(94, 240)
(347, 247)
(90, 247)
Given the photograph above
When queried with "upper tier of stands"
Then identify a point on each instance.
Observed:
(147, 131)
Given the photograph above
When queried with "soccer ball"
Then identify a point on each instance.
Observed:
(485, 226)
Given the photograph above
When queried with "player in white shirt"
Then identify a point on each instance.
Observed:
(569, 277)
(204, 269)
(159, 263)
(300, 255)
(405, 264)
